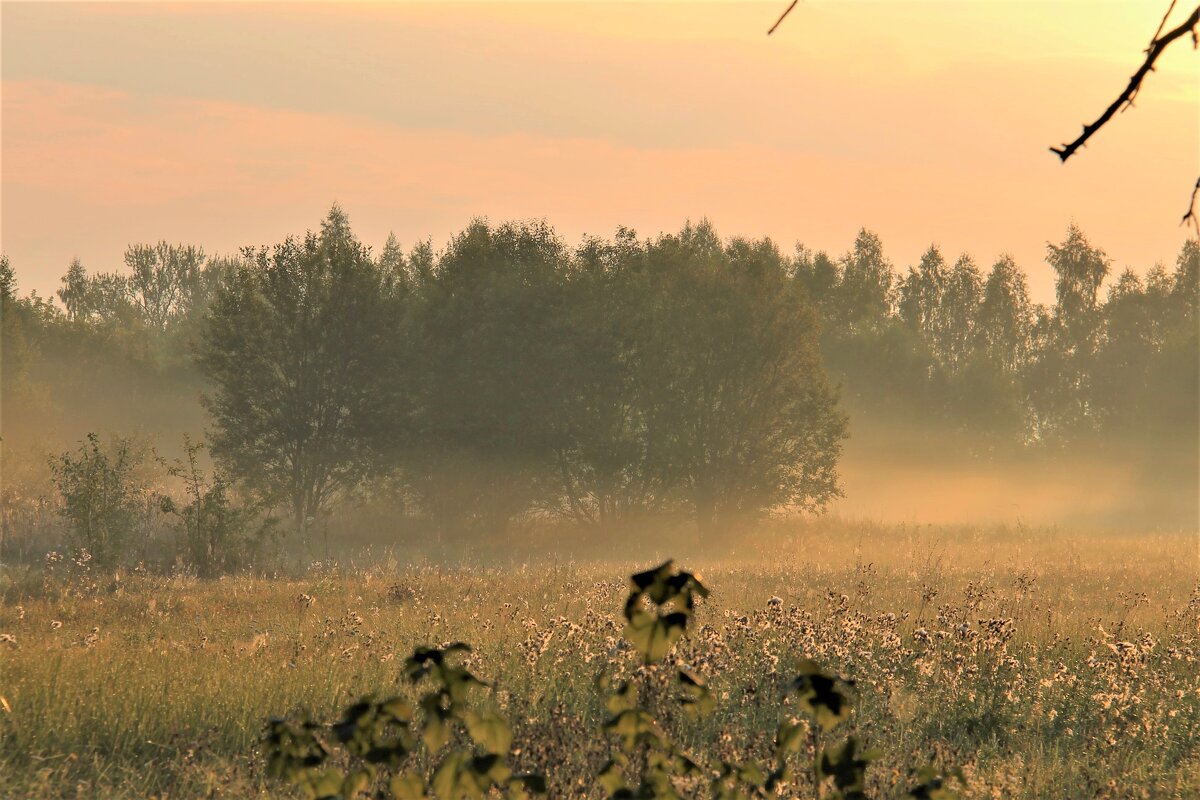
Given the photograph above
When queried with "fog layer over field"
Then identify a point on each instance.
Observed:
(509, 382)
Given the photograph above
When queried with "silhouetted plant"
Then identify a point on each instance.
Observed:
(377, 739)
(647, 764)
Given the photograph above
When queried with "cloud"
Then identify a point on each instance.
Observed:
(240, 123)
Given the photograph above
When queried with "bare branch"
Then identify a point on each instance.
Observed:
(1125, 99)
(1163, 24)
(1191, 212)
(782, 17)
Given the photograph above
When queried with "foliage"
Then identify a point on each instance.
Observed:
(102, 498)
(510, 376)
(167, 679)
(648, 764)
(220, 535)
(379, 737)
(489, 348)
(738, 415)
(297, 351)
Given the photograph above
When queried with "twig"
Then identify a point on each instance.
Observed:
(782, 17)
(1163, 24)
(1125, 99)
(1191, 212)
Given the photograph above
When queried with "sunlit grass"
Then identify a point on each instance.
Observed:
(1046, 663)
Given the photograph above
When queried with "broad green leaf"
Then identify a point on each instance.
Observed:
(789, 738)
(823, 695)
(611, 779)
(933, 785)
(408, 786)
(436, 733)
(454, 780)
(624, 698)
(846, 764)
(324, 784)
(697, 699)
(652, 636)
(522, 787)
(356, 782)
(489, 730)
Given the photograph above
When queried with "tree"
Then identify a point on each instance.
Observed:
(959, 311)
(739, 415)
(490, 349)
(602, 460)
(299, 349)
(219, 534)
(921, 292)
(865, 291)
(1006, 317)
(8, 280)
(74, 291)
(164, 280)
(1060, 378)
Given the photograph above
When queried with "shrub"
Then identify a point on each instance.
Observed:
(219, 534)
(102, 500)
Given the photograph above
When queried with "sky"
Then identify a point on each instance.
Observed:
(227, 124)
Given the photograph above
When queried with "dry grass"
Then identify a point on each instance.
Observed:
(1046, 663)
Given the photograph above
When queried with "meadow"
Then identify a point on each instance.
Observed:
(1041, 661)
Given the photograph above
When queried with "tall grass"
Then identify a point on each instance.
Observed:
(1046, 663)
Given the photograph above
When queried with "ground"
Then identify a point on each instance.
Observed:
(1042, 662)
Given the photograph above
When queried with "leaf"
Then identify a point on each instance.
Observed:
(653, 636)
(436, 733)
(356, 781)
(397, 709)
(789, 738)
(932, 785)
(458, 682)
(623, 699)
(425, 659)
(611, 779)
(453, 779)
(824, 696)
(326, 784)
(697, 699)
(489, 730)
(490, 768)
(523, 786)
(847, 765)
(407, 786)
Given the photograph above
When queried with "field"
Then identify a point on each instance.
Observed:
(1043, 662)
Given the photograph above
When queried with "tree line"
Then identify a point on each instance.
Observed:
(511, 375)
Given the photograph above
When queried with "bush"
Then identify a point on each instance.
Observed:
(102, 499)
(219, 534)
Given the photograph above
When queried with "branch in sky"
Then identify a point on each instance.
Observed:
(1191, 212)
(1126, 98)
(782, 17)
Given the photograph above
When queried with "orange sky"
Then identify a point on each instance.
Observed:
(232, 123)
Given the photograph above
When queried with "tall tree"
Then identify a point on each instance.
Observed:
(602, 460)
(1006, 317)
(739, 414)
(1060, 379)
(164, 280)
(299, 351)
(490, 350)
